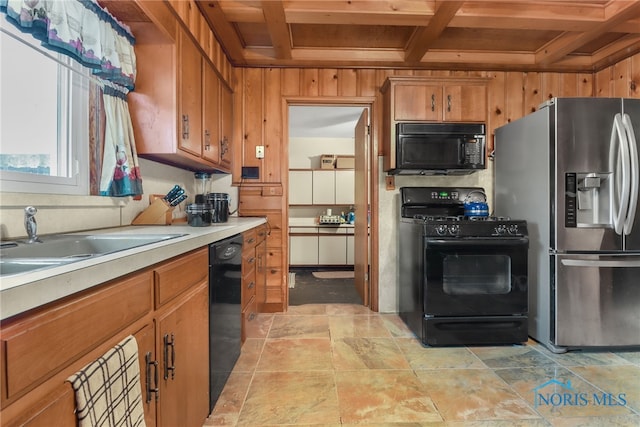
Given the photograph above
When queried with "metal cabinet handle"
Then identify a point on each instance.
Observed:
(169, 367)
(251, 285)
(433, 102)
(207, 139)
(224, 146)
(252, 316)
(149, 363)
(185, 126)
(449, 103)
(251, 240)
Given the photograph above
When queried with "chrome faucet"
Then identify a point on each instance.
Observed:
(31, 225)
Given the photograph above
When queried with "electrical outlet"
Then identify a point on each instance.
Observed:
(260, 152)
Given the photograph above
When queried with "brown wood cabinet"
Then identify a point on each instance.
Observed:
(429, 99)
(253, 277)
(42, 347)
(181, 106)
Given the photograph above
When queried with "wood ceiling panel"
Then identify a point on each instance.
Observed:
(544, 35)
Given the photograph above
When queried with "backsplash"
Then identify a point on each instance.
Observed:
(62, 214)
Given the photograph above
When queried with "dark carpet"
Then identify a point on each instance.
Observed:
(311, 290)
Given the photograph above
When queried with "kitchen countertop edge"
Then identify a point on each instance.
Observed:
(27, 291)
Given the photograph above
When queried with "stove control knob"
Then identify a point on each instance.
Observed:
(501, 229)
(454, 230)
(513, 229)
(441, 229)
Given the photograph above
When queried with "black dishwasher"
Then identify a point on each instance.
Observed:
(225, 312)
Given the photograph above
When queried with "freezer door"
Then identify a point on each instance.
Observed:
(596, 301)
(583, 183)
(631, 108)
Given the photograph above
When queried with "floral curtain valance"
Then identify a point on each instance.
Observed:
(80, 29)
(84, 31)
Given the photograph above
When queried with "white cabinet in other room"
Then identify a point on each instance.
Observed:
(350, 249)
(345, 187)
(300, 187)
(324, 184)
(332, 250)
(303, 250)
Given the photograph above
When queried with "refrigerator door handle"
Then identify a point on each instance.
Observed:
(599, 263)
(635, 173)
(619, 164)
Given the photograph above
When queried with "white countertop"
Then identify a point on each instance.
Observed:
(22, 292)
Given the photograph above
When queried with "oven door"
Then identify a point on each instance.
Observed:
(475, 276)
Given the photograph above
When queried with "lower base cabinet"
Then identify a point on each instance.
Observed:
(43, 347)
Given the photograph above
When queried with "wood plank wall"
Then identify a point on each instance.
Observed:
(260, 113)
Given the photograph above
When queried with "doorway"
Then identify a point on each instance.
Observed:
(322, 154)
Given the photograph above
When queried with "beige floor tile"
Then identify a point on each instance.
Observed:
(615, 380)
(473, 394)
(306, 309)
(262, 324)
(420, 357)
(249, 355)
(518, 356)
(300, 326)
(291, 398)
(364, 326)
(231, 399)
(396, 326)
(631, 356)
(498, 423)
(620, 421)
(367, 353)
(307, 354)
(556, 392)
(383, 396)
(348, 310)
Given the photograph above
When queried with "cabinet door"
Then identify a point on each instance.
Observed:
(350, 249)
(183, 353)
(145, 338)
(226, 125)
(324, 183)
(417, 102)
(465, 103)
(190, 96)
(332, 250)
(345, 187)
(210, 114)
(300, 187)
(303, 250)
(261, 273)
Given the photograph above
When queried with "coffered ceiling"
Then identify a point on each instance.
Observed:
(453, 35)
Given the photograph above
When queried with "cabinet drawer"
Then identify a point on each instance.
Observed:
(249, 239)
(179, 274)
(249, 320)
(40, 346)
(248, 288)
(261, 233)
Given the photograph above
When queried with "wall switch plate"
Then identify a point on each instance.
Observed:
(259, 151)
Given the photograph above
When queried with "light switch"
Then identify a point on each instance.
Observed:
(259, 151)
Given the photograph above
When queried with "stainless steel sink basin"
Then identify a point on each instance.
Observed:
(66, 248)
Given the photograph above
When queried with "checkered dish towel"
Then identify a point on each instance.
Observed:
(108, 390)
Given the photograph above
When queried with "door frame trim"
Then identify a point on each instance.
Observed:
(355, 101)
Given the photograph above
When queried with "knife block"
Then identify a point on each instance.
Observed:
(158, 213)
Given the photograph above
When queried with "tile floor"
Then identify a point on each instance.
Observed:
(340, 364)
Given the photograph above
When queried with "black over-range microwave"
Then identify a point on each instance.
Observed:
(439, 148)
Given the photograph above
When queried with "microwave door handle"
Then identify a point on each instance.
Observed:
(600, 263)
(635, 172)
(461, 151)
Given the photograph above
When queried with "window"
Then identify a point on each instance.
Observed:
(44, 111)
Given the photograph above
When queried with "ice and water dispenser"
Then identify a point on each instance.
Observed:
(588, 199)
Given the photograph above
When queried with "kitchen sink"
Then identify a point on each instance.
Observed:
(62, 249)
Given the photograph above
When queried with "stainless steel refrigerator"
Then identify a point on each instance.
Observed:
(571, 170)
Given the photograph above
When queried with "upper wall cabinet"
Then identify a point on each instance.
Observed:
(179, 107)
(435, 100)
(182, 107)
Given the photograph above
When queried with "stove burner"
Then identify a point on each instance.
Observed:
(433, 218)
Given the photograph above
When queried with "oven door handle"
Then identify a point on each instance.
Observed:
(475, 242)
(599, 263)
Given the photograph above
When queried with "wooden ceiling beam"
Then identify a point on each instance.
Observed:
(424, 37)
(223, 29)
(569, 42)
(278, 28)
